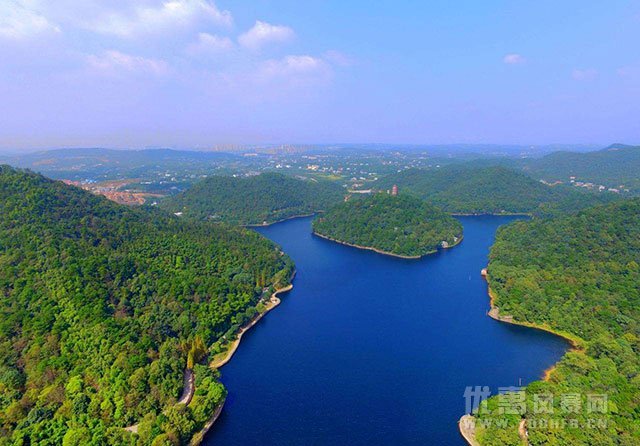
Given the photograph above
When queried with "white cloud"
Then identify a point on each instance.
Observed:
(18, 22)
(264, 33)
(115, 63)
(295, 68)
(588, 74)
(514, 59)
(290, 79)
(209, 43)
(160, 18)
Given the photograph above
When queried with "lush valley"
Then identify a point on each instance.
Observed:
(254, 200)
(578, 275)
(400, 225)
(103, 307)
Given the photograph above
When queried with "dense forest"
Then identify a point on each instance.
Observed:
(578, 275)
(103, 307)
(617, 165)
(259, 199)
(465, 189)
(400, 225)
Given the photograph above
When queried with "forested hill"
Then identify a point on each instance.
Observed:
(100, 306)
(578, 275)
(617, 166)
(259, 199)
(399, 225)
(489, 190)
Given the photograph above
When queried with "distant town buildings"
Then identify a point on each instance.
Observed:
(588, 185)
(113, 190)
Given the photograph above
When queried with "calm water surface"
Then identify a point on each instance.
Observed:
(374, 350)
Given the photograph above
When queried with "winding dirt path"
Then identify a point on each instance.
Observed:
(188, 387)
(522, 431)
(188, 390)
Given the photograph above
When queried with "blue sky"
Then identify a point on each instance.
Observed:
(196, 73)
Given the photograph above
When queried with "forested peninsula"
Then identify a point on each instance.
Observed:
(578, 276)
(255, 200)
(104, 307)
(400, 225)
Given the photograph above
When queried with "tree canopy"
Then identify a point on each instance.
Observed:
(254, 200)
(401, 225)
(468, 189)
(578, 275)
(617, 165)
(101, 306)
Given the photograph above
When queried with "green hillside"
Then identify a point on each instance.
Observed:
(489, 190)
(259, 199)
(400, 225)
(578, 275)
(615, 166)
(102, 304)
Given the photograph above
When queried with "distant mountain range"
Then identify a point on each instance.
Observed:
(432, 149)
(83, 163)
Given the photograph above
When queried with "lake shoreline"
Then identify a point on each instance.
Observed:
(274, 301)
(386, 253)
(187, 395)
(467, 428)
(265, 225)
(199, 437)
(494, 313)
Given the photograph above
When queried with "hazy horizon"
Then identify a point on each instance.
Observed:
(460, 148)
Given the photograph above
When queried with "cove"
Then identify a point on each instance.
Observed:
(374, 350)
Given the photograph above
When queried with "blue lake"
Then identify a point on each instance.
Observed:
(374, 350)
